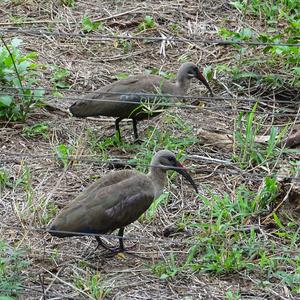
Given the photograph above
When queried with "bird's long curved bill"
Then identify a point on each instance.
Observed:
(181, 170)
(203, 80)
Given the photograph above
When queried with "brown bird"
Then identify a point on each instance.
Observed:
(116, 200)
(125, 101)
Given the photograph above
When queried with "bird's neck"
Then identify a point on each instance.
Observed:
(182, 83)
(159, 179)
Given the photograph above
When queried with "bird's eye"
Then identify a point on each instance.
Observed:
(171, 158)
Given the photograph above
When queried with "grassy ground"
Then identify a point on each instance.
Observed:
(239, 237)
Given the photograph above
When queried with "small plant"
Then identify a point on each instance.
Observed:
(104, 145)
(282, 59)
(248, 151)
(269, 9)
(25, 181)
(45, 211)
(70, 3)
(4, 179)
(11, 267)
(88, 25)
(20, 72)
(63, 152)
(208, 73)
(127, 45)
(148, 23)
(184, 58)
(267, 194)
(59, 77)
(151, 211)
(245, 34)
(167, 269)
(122, 75)
(175, 27)
(40, 129)
(93, 285)
(233, 295)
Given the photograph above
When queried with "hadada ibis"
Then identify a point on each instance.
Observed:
(128, 105)
(116, 200)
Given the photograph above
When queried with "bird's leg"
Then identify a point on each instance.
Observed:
(134, 125)
(101, 243)
(118, 120)
(120, 234)
(135, 132)
(114, 249)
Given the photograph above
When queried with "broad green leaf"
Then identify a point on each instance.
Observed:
(122, 75)
(296, 70)
(16, 42)
(5, 100)
(39, 92)
(88, 26)
(208, 72)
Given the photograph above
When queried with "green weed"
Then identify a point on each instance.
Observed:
(63, 155)
(208, 73)
(70, 3)
(269, 10)
(233, 295)
(104, 145)
(60, 77)
(11, 267)
(93, 285)
(40, 129)
(148, 23)
(277, 57)
(122, 75)
(248, 152)
(4, 179)
(21, 72)
(167, 269)
(88, 25)
(45, 211)
(225, 244)
(175, 27)
(151, 211)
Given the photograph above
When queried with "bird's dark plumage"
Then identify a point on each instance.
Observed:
(125, 101)
(116, 200)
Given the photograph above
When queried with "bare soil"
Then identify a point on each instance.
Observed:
(55, 265)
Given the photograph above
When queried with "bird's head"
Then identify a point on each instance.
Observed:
(165, 159)
(190, 70)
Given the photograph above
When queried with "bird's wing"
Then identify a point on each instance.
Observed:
(122, 207)
(120, 86)
(133, 84)
(104, 208)
(107, 180)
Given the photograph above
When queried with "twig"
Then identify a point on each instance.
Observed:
(117, 15)
(43, 287)
(68, 284)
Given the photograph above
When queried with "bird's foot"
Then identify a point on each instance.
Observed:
(115, 251)
(118, 251)
(138, 141)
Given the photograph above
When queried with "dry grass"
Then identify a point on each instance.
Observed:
(56, 266)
